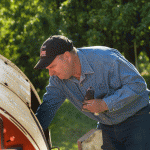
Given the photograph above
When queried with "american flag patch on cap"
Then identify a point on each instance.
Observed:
(43, 53)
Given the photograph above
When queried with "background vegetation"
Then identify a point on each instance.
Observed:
(26, 24)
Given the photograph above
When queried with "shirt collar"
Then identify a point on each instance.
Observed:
(85, 66)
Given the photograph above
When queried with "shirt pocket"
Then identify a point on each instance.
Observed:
(101, 91)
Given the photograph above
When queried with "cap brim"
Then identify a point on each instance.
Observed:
(43, 63)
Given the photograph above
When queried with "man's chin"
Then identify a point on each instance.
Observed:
(63, 77)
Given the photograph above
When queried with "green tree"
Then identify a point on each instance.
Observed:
(25, 24)
(24, 27)
(113, 23)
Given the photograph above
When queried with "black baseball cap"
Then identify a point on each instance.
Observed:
(53, 46)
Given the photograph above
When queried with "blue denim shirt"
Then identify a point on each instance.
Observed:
(113, 78)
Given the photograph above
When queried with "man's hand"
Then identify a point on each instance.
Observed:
(95, 105)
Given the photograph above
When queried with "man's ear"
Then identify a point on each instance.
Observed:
(67, 56)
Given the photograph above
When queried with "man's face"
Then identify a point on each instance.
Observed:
(61, 66)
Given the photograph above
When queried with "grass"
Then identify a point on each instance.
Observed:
(68, 126)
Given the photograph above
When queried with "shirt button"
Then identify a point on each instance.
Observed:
(81, 84)
(104, 119)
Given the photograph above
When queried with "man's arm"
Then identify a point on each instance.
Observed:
(132, 87)
(52, 100)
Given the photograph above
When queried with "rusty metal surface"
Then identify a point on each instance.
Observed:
(1, 134)
(15, 108)
(10, 78)
(91, 140)
(16, 80)
(15, 103)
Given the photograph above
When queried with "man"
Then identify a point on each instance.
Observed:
(121, 95)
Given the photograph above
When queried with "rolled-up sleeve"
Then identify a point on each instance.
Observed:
(132, 85)
(52, 100)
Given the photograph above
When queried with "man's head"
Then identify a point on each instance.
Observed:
(63, 66)
(52, 47)
(59, 56)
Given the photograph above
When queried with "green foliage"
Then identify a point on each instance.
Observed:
(24, 27)
(68, 126)
(106, 23)
(144, 65)
(26, 24)
(147, 79)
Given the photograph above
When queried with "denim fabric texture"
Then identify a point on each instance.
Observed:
(131, 134)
